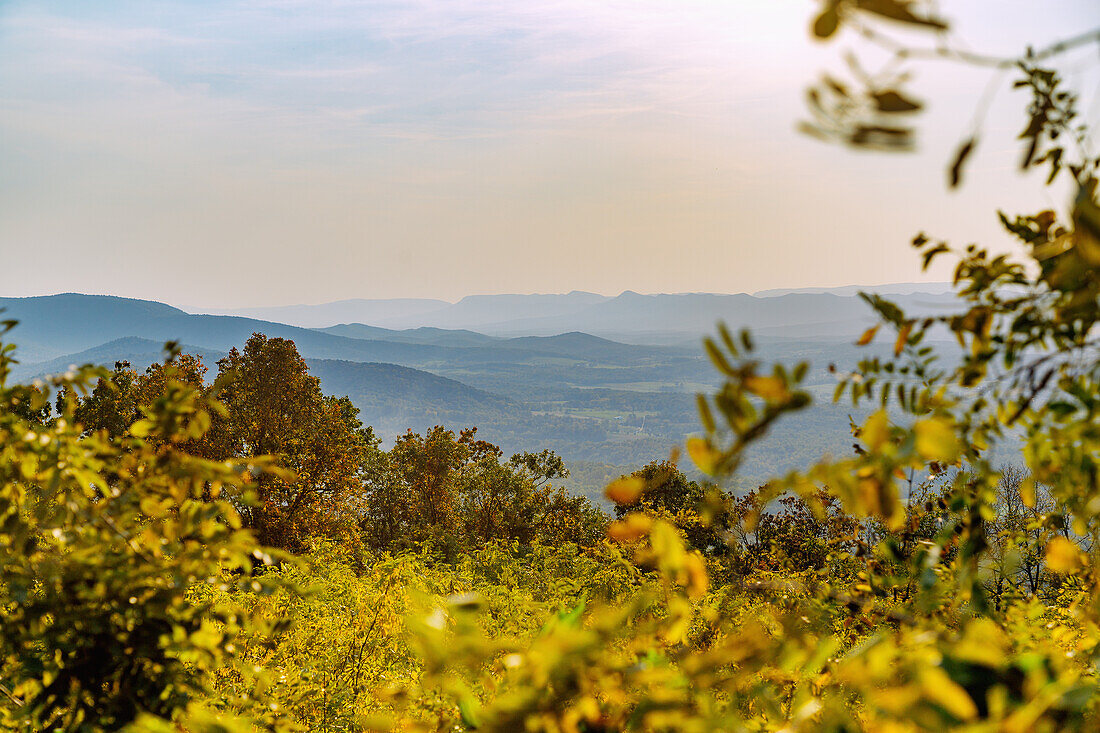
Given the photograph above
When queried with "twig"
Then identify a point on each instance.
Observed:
(945, 53)
(10, 696)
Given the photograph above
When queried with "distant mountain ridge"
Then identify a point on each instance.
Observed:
(138, 351)
(889, 289)
(629, 314)
(474, 329)
(639, 318)
(54, 325)
(326, 314)
(58, 325)
(440, 313)
(422, 335)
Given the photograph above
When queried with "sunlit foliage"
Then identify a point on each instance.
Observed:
(915, 584)
(102, 542)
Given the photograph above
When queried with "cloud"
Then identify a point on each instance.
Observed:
(454, 69)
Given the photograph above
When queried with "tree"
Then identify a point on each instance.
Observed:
(797, 537)
(112, 406)
(422, 495)
(29, 404)
(456, 491)
(274, 407)
(120, 398)
(667, 492)
(497, 502)
(1018, 535)
(540, 468)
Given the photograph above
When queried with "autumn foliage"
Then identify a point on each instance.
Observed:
(240, 553)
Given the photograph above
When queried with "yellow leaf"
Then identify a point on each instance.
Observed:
(154, 508)
(868, 336)
(947, 693)
(936, 440)
(697, 580)
(1086, 217)
(771, 389)
(679, 621)
(983, 643)
(374, 722)
(625, 490)
(903, 337)
(631, 527)
(876, 431)
(869, 492)
(667, 544)
(705, 457)
(896, 700)
(1063, 556)
(1027, 492)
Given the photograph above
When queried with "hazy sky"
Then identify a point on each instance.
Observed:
(263, 152)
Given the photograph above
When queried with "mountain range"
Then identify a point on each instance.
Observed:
(608, 383)
(629, 316)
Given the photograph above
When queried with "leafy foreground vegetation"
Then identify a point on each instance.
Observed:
(242, 556)
(435, 586)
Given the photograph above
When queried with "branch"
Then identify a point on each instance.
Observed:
(945, 53)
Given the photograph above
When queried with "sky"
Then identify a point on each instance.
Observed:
(264, 152)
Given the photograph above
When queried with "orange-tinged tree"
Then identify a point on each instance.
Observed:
(274, 407)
